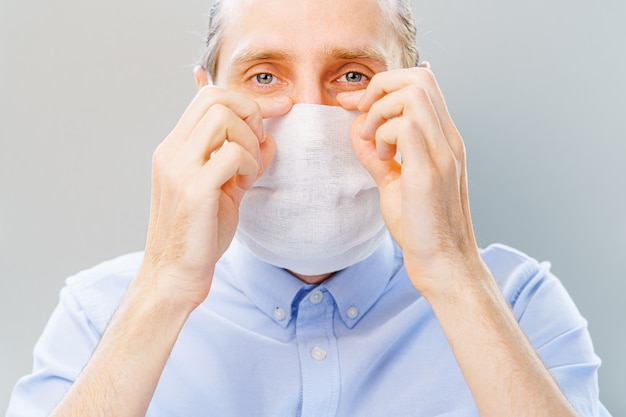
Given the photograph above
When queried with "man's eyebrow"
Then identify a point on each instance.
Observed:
(250, 55)
(358, 53)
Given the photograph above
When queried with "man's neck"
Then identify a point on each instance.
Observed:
(312, 279)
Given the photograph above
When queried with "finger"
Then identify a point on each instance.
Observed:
(231, 161)
(350, 100)
(413, 106)
(218, 125)
(208, 96)
(274, 106)
(387, 139)
(268, 150)
(382, 171)
(387, 82)
(404, 135)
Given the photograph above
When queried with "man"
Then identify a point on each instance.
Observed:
(243, 302)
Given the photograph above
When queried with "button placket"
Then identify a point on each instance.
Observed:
(319, 358)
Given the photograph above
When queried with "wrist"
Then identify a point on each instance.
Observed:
(452, 280)
(179, 287)
(160, 292)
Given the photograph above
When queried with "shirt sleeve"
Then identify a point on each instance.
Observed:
(61, 352)
(557, 330)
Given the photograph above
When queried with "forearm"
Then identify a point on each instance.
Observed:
(123, 372)
(503, 371)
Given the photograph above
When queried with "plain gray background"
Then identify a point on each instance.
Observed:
(89, 89)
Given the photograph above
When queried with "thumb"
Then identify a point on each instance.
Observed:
(383, 172)
(274, 106)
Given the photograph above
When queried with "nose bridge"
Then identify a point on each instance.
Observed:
(310, 87)
(309, 92)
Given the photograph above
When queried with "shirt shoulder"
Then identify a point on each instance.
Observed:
(99, 289)
(514, 270)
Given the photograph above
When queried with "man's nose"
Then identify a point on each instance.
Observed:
(313, 93)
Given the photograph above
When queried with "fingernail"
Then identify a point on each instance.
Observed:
(261, 169)
(425, 64)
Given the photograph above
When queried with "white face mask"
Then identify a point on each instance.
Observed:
(316, 209)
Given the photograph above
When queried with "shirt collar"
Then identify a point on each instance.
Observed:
(276, 292)
(357, 288)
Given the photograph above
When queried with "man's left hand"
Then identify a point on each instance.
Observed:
(424, 198)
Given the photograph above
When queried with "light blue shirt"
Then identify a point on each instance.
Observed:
(363, 343)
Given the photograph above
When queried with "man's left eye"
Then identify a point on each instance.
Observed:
(352, 77)
(264, 78)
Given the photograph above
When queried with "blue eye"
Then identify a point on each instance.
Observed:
(264, 78)
(353, 77)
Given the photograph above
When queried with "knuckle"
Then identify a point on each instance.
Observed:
(160, 159)
(255, 117)
(375, 111)
(157, 157)
(255, 111)
(384, 133)
(208, 94)
(426, 74)
(376, 80)
(208, 90)
(231, 152)
(242, 154)
(219, 111)
(418, 92)
(407, 125)
(239, 158)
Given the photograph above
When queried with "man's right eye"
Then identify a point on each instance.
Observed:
(264, 78)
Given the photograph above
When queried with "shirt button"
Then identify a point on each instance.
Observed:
(318, 353)
(352, 312)
(279, 314)
(316, 296)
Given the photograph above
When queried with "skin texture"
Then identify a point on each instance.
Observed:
(274, 56)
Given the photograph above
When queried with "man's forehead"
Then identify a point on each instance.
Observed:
(351, 29)
(244, 4)
(345, 11)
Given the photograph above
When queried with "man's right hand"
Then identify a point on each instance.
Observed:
(199, 175)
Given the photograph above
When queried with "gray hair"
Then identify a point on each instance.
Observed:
(400, 15)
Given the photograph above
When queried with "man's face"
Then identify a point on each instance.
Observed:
(308, 50)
